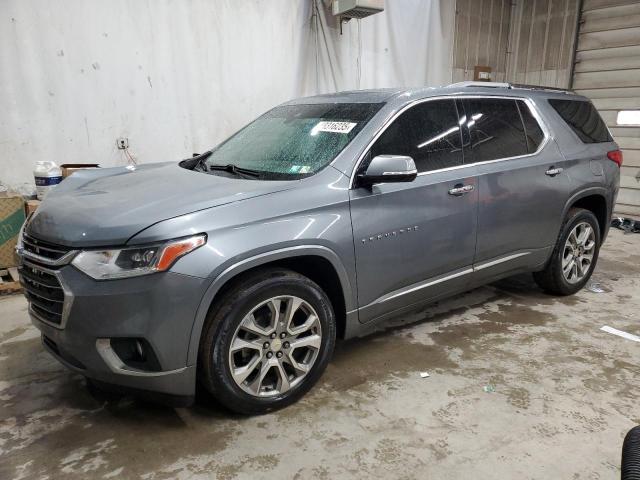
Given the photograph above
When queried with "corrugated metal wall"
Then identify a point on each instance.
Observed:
(481, 37)
(542, 41)
(534, 42)
(525, 41)
(607, 70)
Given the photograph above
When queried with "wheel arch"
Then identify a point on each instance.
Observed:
(596, 201)
(319, 263)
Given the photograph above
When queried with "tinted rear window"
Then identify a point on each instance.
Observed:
(496, 129)
(583, 119)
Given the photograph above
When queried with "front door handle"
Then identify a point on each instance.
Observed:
(460, 189)
(553, 171)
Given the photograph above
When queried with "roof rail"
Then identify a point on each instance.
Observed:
(481, 84)
(510, 86)
(542, 87)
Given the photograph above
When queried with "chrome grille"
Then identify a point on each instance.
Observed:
(47, 250)
(44, 292)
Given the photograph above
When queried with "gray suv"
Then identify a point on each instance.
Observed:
(240, 267)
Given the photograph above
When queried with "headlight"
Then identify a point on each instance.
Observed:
(131, 262)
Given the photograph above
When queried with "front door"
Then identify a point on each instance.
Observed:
(414, 241)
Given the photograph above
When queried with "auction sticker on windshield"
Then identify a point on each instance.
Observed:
(334, 127)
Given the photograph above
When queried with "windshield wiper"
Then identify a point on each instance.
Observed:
(197, 161)
(231, 168)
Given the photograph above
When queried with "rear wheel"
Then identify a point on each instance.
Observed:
(267, 341)
(574, 256)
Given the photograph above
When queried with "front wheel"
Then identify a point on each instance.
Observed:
(574, 256)
(267, 341)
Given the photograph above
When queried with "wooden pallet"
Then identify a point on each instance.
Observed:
(9, 281)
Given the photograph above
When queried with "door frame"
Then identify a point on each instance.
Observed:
(456, 96)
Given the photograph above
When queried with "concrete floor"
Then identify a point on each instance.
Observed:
(565, 395)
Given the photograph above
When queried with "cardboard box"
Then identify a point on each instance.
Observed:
(481, 73)
(31, 206)
(11, 220)
(69, 168)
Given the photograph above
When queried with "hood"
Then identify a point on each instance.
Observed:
(108, 206)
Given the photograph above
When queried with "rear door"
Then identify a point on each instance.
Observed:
(414, 241)
(522, 184)
(585, 145)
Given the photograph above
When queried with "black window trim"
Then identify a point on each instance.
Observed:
(530, 104)
(524, 125)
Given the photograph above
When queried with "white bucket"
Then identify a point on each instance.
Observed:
(47, 175)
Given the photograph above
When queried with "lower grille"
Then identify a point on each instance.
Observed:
(44, 292)
(61, 353)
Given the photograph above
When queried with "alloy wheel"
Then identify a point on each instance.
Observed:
(275, 346)
(578, 252)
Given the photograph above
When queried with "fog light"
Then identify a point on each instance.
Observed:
(136, 353)
(140, 350)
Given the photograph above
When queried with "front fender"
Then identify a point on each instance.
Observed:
(312, 219)
(256, 261)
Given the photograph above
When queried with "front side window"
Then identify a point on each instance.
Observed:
(496, 129)
(583, 119)
(293, 141)
(428, 132)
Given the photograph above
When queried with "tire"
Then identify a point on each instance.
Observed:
(269, 295)
(630, 466)
(552, 279)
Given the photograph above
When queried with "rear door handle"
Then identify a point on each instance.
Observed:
(553, 171)
(460, 189)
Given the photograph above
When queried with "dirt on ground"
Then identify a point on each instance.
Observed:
(521, 385)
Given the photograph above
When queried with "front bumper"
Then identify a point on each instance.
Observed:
(158, 308)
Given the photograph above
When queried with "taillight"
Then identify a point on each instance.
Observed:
(616, 156)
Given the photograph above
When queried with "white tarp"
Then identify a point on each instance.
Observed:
(176, 77)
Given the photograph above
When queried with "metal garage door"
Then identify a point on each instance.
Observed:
(607, 70)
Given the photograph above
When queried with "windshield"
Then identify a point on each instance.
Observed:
(293, 141)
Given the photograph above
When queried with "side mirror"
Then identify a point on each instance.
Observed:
(388, 169)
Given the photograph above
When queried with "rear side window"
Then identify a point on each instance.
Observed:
(496, 129)
(532, 130)
(428, 132)
(583, 119)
